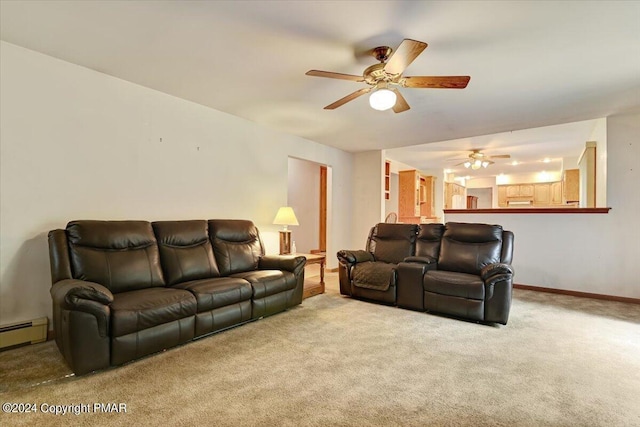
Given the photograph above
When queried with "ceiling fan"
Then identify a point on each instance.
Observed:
(383, 78)
(476, 159)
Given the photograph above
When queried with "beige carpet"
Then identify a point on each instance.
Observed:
(561, 361)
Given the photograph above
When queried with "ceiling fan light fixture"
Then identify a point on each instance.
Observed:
(467, 164)
(485, 164)
(382, 99)
(476, 164)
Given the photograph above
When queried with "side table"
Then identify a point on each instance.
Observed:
(314, 288)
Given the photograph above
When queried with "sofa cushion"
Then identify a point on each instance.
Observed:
(120, 255)
(467, 248)
(141, 309)
(374, 275)
(217, 292)
(185, 250)
(428, 240)
(454, 284)
(268, 282)
(392, 243)
(236, 245)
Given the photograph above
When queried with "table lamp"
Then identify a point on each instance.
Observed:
(285, 217)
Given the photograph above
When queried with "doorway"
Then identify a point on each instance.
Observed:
(307, 195)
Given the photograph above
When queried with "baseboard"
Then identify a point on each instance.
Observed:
(331, 270)
(578, 294)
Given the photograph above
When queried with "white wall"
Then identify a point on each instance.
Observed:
(527, 178)
(78, 144)
(391, 205)
(368, 195)
(486, 182)
(596, 253)
(304, 198)
(484, 195)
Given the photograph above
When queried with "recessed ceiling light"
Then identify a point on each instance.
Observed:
(514, 163)
(547, 160)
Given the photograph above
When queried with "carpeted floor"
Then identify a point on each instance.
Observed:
(561, 361)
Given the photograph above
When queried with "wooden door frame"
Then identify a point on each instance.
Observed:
(322, 238)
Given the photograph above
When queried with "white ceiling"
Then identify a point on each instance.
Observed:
(531, 63)
(561, 145)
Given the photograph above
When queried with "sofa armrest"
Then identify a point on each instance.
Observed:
(292, 263)
(495, 272)
(348, 257)
(421, 260)
(498, 282)
(87, 297)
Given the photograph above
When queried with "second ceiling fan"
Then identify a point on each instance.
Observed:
(383, 78)
(477, 159)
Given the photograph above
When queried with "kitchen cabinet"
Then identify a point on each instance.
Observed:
(541, 195)
(502, 196)
(520, 191)
(556, 193)
(472, 202)
(571, 185)
(416, 202)
(387, 180)
(408, 194)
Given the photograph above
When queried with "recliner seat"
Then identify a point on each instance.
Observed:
(371, 274)
(460, 269)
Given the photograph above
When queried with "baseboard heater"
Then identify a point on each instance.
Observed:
(33, 331)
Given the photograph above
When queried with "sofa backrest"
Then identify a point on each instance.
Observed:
(467, 248)
(507, 247)
(428, 241)
(120, 255)
(392, 243)
(185, 250)
(236, 245)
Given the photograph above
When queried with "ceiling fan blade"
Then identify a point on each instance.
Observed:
(347, 98)
(331, 75)
(501, 156)
(401, 103)
(404, 55)
(437, 82)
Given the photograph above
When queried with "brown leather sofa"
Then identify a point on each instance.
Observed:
(125, 289)
(459, 269)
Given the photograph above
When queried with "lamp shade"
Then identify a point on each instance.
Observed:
(382, 99)
(285, 216)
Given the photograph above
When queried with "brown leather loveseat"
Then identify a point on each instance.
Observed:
(125, 289)
(459, 269)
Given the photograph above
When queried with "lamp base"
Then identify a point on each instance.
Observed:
(285, 242)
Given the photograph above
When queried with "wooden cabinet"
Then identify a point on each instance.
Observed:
(408, 194)
(556, 193)
(520, 190)
(452, 189)
(541, 195)
(502, 196)
(416, 200)
(571, 185)
(472, 202)
(544, 194)
(387, 180)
